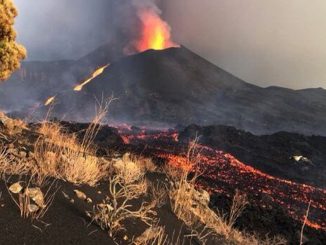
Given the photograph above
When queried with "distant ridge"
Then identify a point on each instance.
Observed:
(176, 86)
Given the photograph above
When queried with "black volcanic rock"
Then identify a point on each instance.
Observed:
(272, 154)
(176, 86)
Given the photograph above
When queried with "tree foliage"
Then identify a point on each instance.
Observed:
(11, 53)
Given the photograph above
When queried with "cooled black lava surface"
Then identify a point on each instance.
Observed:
(272, 154)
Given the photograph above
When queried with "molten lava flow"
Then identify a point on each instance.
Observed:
(222, 171)
(156, 33)
(49, 101)
(95, 74)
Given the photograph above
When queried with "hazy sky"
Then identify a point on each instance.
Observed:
(266, 42)
(62, 29)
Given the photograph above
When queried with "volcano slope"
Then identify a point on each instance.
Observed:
(173, 86)
(59, 187)
(176, 86)
(37, 80)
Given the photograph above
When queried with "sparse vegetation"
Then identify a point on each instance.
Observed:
(116, 207)
(13, 126)
(154, 235)
(130, 194)
(62, 157)
(238, 205)
(191, 206)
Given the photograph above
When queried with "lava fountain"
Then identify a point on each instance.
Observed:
(155, 32)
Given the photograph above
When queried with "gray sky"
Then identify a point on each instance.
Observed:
(61, 29)
(266, 42)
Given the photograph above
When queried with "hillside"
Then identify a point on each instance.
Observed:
(60, 184)
(172, 86)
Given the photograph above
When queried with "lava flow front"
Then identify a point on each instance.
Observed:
(222, 173)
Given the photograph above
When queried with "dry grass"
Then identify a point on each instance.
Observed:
(132, 168)
(116, 207)
(60, 155)
(145, 164)
(154, 235)
(304, 223)
(188, 205)
(239, 203)
(13, 126)
(101, 111)
(127, 169)
(191, 206)
(9, 167)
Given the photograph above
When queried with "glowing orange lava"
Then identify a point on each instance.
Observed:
(95, 74)
(49, 101)
(156, 33)
(222, 171)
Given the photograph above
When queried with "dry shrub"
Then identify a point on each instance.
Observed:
(66, 160)
(132, 168)
(239, 203)
(13, 126)
(9, 167)
(191, 206)
(60, 155)
(116, 207)
(156, 235)
(54, 133)
(175, 173)
(101, 111)
(182, 196)
(145, 164)
(127, 169)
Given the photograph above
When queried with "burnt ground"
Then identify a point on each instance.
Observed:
(269, 219)
(66, 221)
(69, 223)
